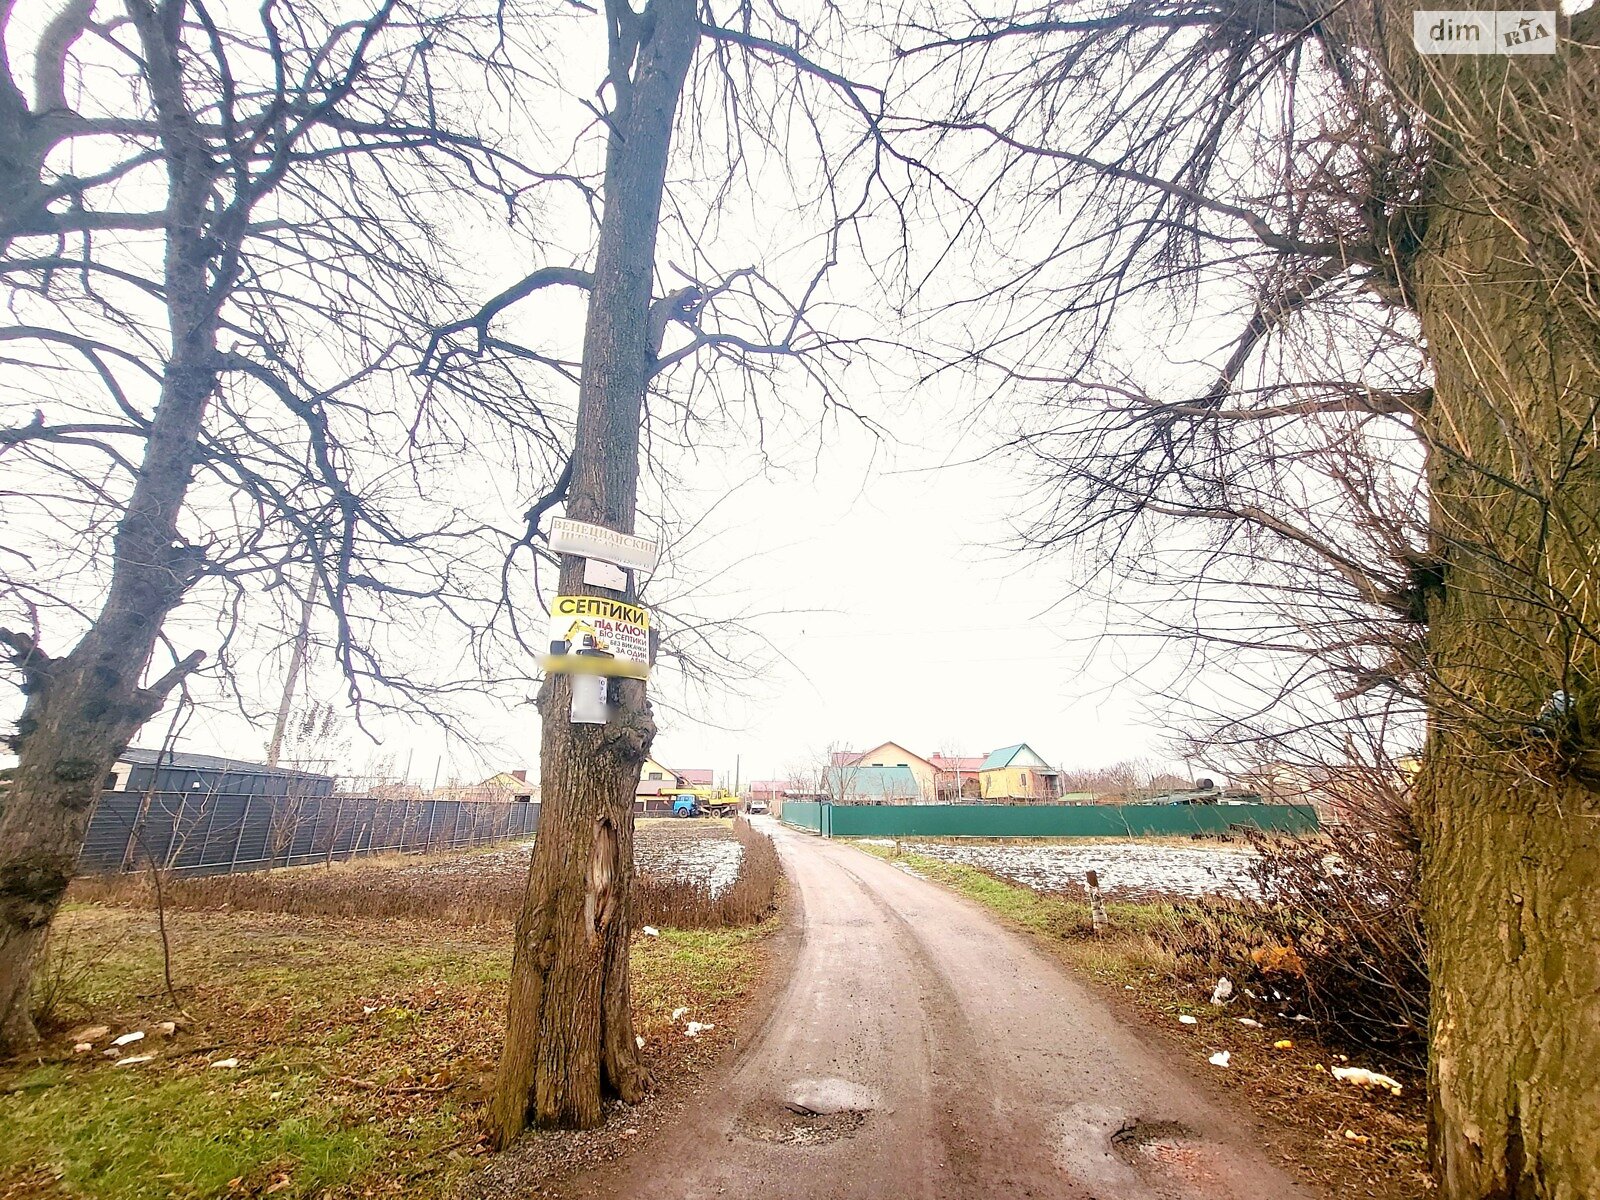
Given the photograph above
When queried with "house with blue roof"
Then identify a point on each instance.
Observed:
(1018, 773)
(851, 784)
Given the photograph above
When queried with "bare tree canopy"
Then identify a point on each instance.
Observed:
(222, 248)
(1363, 462)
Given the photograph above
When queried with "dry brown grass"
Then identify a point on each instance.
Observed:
(691, 904)
(460, 889)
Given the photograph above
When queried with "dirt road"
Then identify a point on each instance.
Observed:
(918, 1050)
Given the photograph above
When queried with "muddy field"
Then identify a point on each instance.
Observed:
(692, 874)
(694, 851)
(1128, 870)
(698, 851)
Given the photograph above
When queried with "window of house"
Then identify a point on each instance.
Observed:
(655, 775)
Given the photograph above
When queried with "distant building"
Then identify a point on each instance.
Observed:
(893, 754)
(1018, 773)
(767, 791)
(210, 775)
(872, 785)
(956, 778)
(509, 785)
(656, 780)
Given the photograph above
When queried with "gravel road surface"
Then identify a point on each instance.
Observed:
(919, 1050)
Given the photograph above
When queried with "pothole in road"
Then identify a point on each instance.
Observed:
(790, 1128)
(1167, 1145)
(812, 1111)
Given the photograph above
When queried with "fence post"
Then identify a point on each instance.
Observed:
(1097, 906)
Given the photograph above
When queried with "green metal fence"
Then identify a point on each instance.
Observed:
(1043, 820)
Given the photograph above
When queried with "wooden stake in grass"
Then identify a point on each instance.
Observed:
(1097, 906)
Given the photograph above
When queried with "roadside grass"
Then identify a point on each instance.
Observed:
(1055, 915)
(1162, 958)
(365, 1051)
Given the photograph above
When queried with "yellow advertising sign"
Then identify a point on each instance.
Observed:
(594, 635)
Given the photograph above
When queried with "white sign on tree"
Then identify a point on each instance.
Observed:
(596, 541)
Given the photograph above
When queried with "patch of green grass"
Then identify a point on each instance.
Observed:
(1134, 944)
(329, 1099)
(1042, 912)
(133, 1133)
(701, 968)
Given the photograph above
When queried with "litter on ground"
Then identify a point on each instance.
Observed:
(1362, 1077)
(1186, 1019)
(1220, 1059)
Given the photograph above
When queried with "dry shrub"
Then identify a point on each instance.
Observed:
(458, 891)
(690, 904)
(1350, 908)
(1336, 934)
(58, 979)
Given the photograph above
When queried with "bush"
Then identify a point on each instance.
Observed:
(1349, 907)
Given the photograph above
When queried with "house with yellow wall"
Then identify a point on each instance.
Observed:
(1018, 773)
(892, 754)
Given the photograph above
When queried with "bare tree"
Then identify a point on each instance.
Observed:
(836, 774)
(1369, 450)
(218, 235)
(745, 89)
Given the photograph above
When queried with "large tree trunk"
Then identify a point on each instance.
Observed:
(83, 708)
(1509, 806)
(569, 1026)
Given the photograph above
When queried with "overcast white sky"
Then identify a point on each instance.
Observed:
(894, 606)
(899, 614)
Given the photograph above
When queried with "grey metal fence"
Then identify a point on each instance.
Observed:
(216, 834)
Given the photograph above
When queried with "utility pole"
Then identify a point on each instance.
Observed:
(297, 662)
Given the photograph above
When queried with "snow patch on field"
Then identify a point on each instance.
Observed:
(692, 851)
(712, 862)
(1126, 869)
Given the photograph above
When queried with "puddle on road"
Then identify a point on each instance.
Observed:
(790, 1128)
(825, 1097)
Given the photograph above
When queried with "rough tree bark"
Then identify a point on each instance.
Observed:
(83, 708)
(569, 1028)
(1509, 803)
